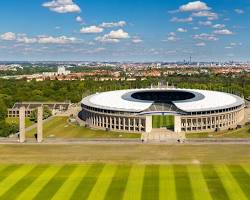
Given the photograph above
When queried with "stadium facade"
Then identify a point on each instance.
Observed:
(182, 110)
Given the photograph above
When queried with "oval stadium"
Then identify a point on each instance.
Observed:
(179, 110)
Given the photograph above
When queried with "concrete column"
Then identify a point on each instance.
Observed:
(124, 124)
(134, 124)
(114, 123)
(22, 124)
(177, 124)
(119, 125)
(148, 124)
(140, 125)
(103, 123)
(110, 123)
(40, 124)
(128, 124)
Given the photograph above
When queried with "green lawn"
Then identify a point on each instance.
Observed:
(236, 133)
(131, 181)
(159, 121)
(58, 127)
(15, 120)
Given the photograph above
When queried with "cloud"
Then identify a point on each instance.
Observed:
(62, 6)
(176, 19)
(228, 47)
(239, 11)
(208, 14)
(181, 30)
(205, 37)
(79, 19)
(223, 32)
(9, 36)
(91, 29)
(56, 40)
(26, 40)
(172, 37)
(201, 44)
(219, 26)
(114, 36)
(113, 24)
(194, 6)
(205, 23)
(137, 40)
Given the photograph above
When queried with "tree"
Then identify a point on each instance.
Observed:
(46, 114)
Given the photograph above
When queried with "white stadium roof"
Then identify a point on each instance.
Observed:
(121, 100)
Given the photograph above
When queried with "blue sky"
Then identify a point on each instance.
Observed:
(125, 30)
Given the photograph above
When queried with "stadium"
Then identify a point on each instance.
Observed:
(179, 110)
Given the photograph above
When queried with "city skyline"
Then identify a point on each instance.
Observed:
(125, 30)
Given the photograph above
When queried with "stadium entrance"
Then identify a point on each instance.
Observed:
(163, 121)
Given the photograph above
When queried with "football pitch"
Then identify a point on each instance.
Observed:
(114, 181)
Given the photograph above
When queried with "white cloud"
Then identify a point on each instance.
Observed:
(113, 24)
(196, 28)
(56, 40)
(223, 32)
(205, 23)
(194, 6)
(26, 40)
(205, 37)
(219, 26)
(181, 30)
(9, 36)
(62, 6)
(91, 29)
(228, 47)
(201, 44)
(114, 36)
(176, 19)
(137, 40)
(172, 37)
(208, 14)
(79, 19)
(239, 11)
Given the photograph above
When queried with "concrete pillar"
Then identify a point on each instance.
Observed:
(40, 124)
(124, 124)
(148, 124)
(128, 124)
(177, 124)
(119, 123)
(134, 124)
(22, 124)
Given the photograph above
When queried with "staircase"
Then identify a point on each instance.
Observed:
(163, 135)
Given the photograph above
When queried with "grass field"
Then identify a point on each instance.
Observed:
(239, 133)
(15, 120)
(132, 182)
(58, 127)
(159, 121)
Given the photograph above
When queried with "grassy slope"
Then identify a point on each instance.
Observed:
(59, 127)
(239, 133)
(125, 182)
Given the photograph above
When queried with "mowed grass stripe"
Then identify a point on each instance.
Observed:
(23, 183)
(39, 183)
(150, 188)
(119, 182)
(14, 177)
(67, 189)
(182, 183)
(103, 183)
(135, 183)
(215, 186)
(167, 183)
(7, 170)
(48, 191)
(198, 183)
(242, 177)
(87, 183)
(231, 186)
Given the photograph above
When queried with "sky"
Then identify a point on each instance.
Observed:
(124, 30)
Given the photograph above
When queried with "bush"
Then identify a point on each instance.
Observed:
(7, 129)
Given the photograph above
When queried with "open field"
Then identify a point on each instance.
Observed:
(58, 127)
(236, 133)
(126, 153)
(14, 120)
(132, 182)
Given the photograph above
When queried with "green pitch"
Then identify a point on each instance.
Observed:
(110, 181)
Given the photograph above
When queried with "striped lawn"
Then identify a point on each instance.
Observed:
(232, 187)
(135, 183)
(167, 183)
(151, 182)
(132, 182)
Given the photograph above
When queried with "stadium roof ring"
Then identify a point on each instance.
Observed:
(207, 110)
